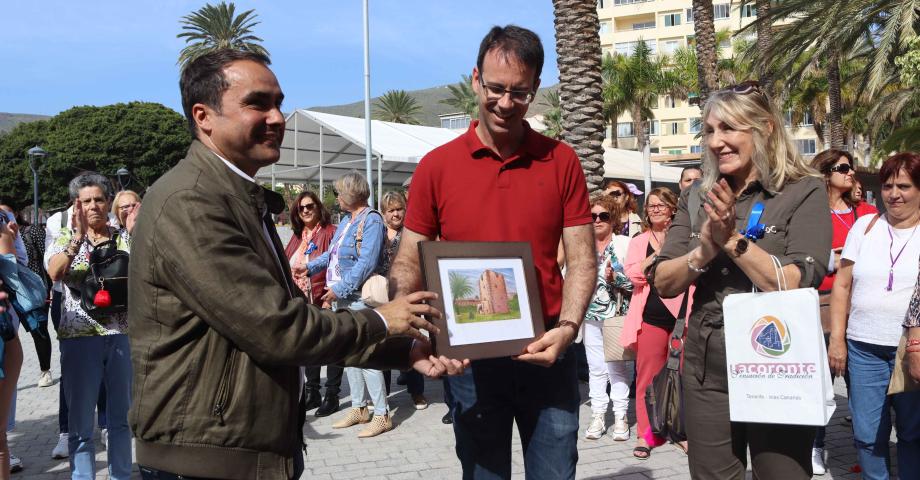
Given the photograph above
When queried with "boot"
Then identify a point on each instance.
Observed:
(354, 417)
(311, 397)
(330, 403)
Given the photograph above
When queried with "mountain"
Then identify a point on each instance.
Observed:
(10, 120)
(430, 101)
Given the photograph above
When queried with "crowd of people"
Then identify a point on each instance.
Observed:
(216, 344)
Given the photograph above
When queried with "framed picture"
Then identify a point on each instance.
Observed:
(488, 294)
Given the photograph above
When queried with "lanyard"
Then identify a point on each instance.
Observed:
(844, 222)
(894, 259)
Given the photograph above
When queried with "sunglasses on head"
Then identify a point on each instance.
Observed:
(745, 88)
(615, 193)
(843, 168)
(308, 207)
(603, 216)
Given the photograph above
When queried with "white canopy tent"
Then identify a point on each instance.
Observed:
(320, 147)
(627, 165)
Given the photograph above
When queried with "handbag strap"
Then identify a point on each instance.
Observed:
(676, 342)
(360, 235)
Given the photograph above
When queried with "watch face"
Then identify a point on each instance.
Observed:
(741, 246)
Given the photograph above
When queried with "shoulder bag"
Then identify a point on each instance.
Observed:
(104, 290)
(375, 291)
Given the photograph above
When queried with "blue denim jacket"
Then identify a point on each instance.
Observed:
(355, 268)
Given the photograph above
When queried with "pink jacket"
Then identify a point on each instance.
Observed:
(635, 255)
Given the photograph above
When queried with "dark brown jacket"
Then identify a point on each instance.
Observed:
(218, 330)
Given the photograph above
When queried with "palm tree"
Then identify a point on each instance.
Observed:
(764, 41)
(705, 39)
(397, 106)
(215, 27)
(552, 116)
(578, 50)
(460, 286)
(463, 98)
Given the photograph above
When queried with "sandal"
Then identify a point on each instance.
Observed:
(642, 453)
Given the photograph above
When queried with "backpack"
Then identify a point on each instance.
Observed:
(104, 290)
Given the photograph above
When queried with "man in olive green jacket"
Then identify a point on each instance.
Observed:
(218, 329)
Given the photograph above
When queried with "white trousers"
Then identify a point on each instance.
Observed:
(618, 373)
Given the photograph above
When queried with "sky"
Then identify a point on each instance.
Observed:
(59, 54)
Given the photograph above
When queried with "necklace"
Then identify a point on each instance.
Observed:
(844, 222)
(894, 259)
(657, 240)
(95, 238)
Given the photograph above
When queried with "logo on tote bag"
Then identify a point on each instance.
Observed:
(770, 337)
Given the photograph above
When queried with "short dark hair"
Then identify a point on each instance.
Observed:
(516, 41)
(203, 81)
(297, 224)
(691, 167)
(908, 161)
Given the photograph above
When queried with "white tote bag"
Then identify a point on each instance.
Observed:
(776, 358)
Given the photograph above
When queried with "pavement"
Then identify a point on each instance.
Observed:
(420, 446)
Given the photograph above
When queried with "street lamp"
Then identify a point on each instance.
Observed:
(35, 153)
(124, 177)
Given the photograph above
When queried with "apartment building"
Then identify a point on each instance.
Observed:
(666, 25)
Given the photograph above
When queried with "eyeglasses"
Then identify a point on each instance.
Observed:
(656, 208)
(603, 216)
(496, 92)
(843, 168)
(615, 193)
(308, 207)
(126, 207)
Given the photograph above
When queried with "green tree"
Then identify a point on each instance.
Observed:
(463, 98)
(147, 138)
(397, 106)
(460, 286)
(613, 69)
(578, 53)
(552, 116)
(213, 27)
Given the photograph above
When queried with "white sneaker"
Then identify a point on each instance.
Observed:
(597, 427)
(44, 379)
(104, 438)
(620, 429)
(15, 464)
(817, 461)
(62, 449)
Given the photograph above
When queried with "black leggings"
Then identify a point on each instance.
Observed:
(42, 345)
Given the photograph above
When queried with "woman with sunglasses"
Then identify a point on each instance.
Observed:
(651, 318)
(313, 232)
(610, 299)
(840, 178)
(630, 223)
(752, 175)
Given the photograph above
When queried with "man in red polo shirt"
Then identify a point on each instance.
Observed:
(501, 181)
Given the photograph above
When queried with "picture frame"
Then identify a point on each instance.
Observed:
(488, 295)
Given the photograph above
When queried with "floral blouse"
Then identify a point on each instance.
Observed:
(75, 322)
(610, 299)
(913, 311)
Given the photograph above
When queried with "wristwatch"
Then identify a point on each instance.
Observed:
(741, 246)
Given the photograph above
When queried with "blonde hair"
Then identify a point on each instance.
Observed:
(123, 193)
(392, 199)
(353, 188)
(775, 157)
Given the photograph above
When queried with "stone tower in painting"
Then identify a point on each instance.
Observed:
(493, 293)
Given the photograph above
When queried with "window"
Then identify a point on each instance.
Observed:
(605, 28)
(721, 11)
(600, 4)
(654, 127)
(696, 149)
(749, 11)
(725, 43)
(696, 124)
(627, 48)
(625, 130)
(689, 13)
(807, 120)
(673, 128)
(806, 146)
(629, 2)
(644, 25)
(668, 47)
(672, 20)
(669, 102)
(455, 122)
(676, 151)
(653, 150)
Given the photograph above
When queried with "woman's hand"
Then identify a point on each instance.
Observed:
(837, 356)
(913, 365)
(720, 226)
(299, 271)
(78, 221)
(131, 218)
(329, 296)
(608, 272)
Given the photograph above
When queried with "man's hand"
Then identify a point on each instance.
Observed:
(547, 348)
(433, 367)
(403, 315)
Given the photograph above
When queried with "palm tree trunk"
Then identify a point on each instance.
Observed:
(834, 116)
(639, 126)
(765, 44)
(578, 50)
(705, 48)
